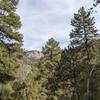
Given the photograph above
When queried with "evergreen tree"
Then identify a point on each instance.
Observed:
(10, 40)
(84, 30)
(83, 34)
(49, 62)
(51, 56)
(68, 74)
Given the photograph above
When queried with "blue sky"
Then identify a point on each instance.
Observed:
(43, 19)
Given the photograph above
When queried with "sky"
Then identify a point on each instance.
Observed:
(43, 19)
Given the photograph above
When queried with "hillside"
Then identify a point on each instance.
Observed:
(29, 60)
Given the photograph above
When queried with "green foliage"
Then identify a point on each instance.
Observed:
(77, 71)
(84, 30)
(10, 39)
(5, 91)
(84, 35)
(51, 56)
(48, 64)
(69, 74)
(10, 42)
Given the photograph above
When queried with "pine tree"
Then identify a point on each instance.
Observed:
(10, 40)
(68, 74)
(84, 30)
(49, 62)
(52, 53)
(83, 34)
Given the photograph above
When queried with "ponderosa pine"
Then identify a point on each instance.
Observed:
(84, 34)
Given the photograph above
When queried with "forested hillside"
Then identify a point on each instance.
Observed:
(72, 73)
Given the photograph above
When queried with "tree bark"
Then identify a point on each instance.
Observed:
(89, 95)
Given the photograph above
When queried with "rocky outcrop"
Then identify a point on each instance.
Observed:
(29, 59)
(34, 54)
(23, 71)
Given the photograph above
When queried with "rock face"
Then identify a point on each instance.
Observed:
(34, 54)
(23, 71)
(29, 60)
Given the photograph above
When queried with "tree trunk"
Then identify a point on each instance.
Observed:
(89, 95)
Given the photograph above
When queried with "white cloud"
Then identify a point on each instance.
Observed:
(43, 19)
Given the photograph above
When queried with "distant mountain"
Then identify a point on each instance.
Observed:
(34, 54)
